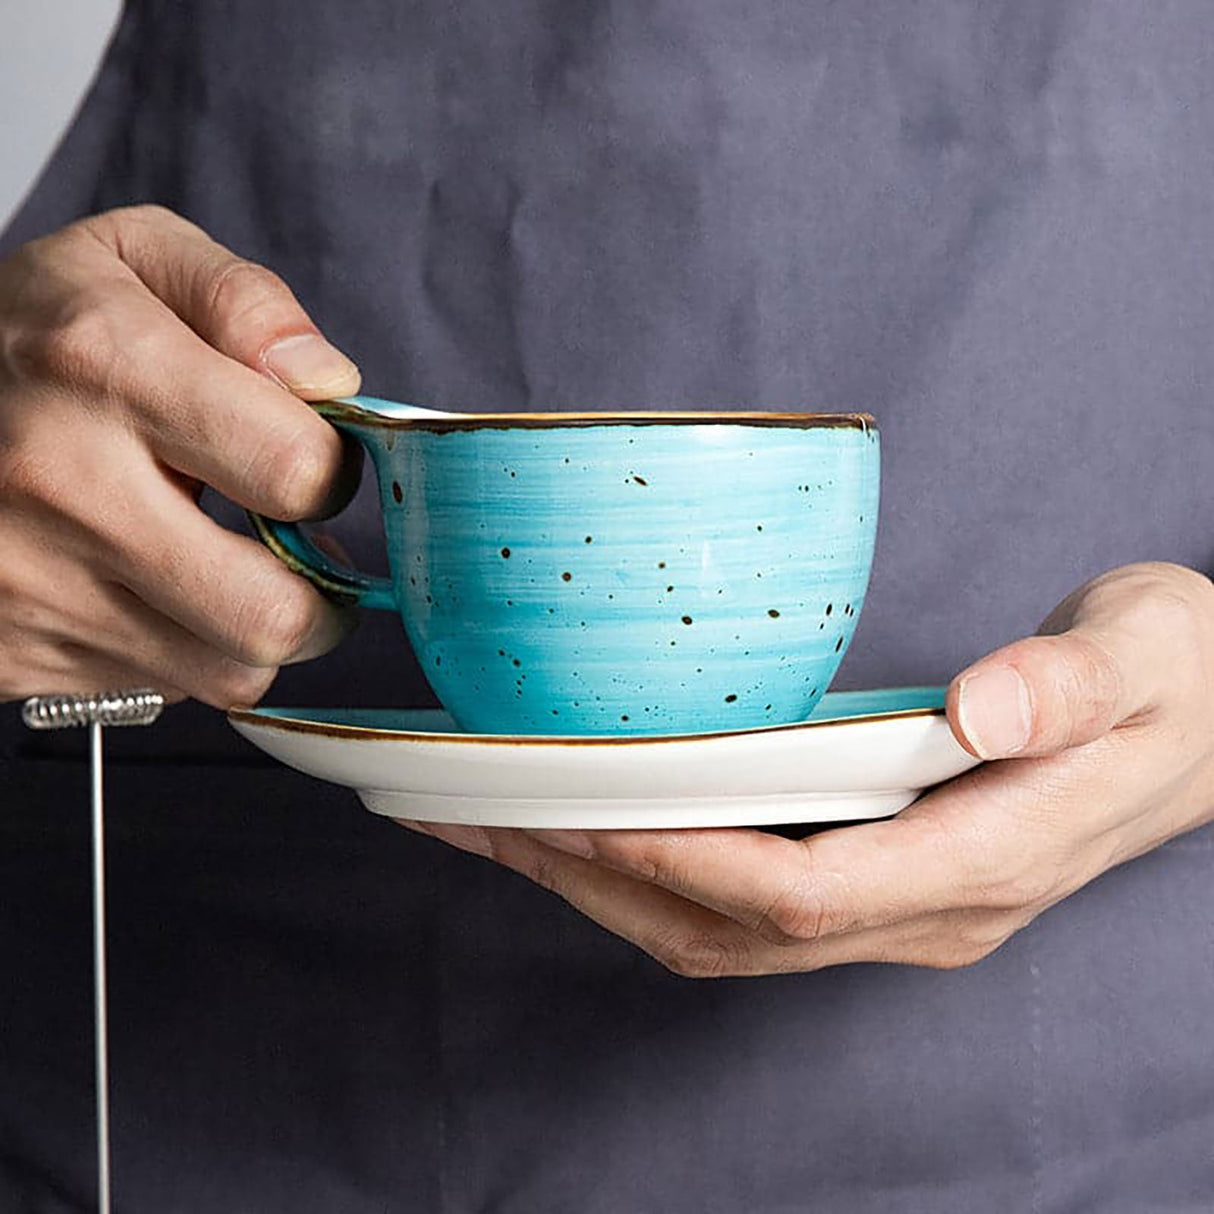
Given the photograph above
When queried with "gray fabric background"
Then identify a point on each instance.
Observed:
(988, 222)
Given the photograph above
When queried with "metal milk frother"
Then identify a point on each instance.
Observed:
(67, 712)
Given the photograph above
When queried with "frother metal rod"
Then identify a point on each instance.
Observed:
(101, 1035)
(66, 712)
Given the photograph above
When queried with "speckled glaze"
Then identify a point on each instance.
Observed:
(617, 574)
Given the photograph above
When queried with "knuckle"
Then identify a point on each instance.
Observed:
(811, 902)
(273, 626)
(1173, 611)
(25, 619)
(236, 684)
(1166, 578)
(542, 870)
(798, 913)
(25, 477)
(139, 214)
(1092, 670)
(295, 477)
(641, 856)
(654, 857)
(151, 213)
(1028, 886)
(37, 481)
(699, 955)
(117, 227)
(21, 673)
(241, 296)
(956, 957)
(971, 944)
(75, 347)
(1156, 598)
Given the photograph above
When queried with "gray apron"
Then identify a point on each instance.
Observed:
(987, 221)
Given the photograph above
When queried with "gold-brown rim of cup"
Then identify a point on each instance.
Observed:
(345, 410)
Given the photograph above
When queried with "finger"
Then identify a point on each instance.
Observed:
(240, 308)
(114, 357)
(692, 941)
(145, 532)
(1038, 696)
(84, 673)
(63, 620)
(974, 843)
(677, 933)
(220, 422)
(233, 420)
(58, 668)
(129, 631)
(791, 890)
(1117, 641)
(226, 589)
(767, 884)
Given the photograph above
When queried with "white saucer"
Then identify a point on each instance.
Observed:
(861, 754)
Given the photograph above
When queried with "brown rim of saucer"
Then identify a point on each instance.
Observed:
(368, 733)
(343, 410)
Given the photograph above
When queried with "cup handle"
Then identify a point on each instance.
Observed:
(288, 542)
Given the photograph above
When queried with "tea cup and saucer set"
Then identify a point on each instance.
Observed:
(630, 619)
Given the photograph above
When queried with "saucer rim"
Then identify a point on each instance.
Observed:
(255, 716)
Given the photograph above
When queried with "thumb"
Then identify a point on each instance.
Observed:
(240, 308)
(1047, 693)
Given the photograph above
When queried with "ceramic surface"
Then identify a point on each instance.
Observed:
(619, 574)
(860, 755)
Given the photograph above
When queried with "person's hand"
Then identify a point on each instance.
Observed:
(1099, 736)
(140, 361)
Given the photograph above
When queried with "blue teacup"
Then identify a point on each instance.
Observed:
(615, 573)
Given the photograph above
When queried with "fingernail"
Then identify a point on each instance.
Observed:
(995, 712)
(308, 363)
(574, 842)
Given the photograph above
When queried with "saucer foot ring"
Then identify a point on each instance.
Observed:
(634, 814)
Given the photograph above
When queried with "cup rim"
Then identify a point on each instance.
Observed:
(347, 410)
